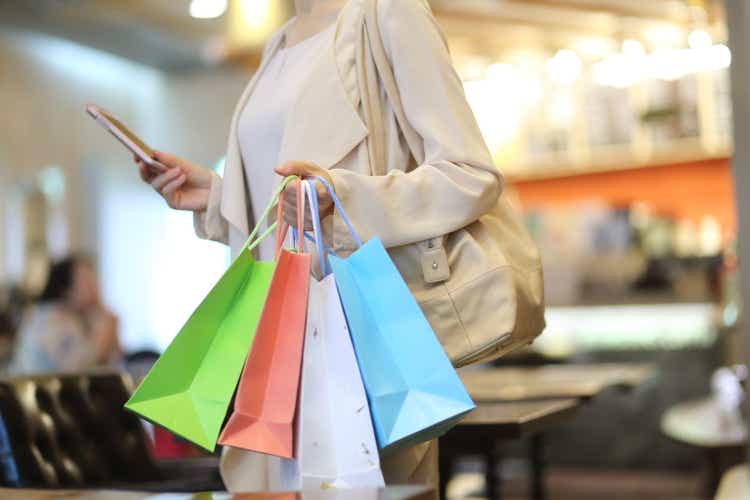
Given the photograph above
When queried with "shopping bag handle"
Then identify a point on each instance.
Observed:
(252, 241)
(312, 197)
(337, 203)
(282, 227)
(311, 239)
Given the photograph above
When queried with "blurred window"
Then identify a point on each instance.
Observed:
(153, 269)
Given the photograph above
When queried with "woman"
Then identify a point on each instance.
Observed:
(318, 106)
(68, 329)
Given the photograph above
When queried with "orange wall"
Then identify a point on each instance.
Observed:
(683, 190)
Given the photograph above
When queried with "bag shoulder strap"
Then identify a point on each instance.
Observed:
(388, 80)
(432, 248)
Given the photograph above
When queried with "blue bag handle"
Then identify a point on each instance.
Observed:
(337, 203)
(312, 197)
(311, 239)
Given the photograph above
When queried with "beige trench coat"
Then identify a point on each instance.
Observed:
(448, 199)
(454, 185)
(457, 183)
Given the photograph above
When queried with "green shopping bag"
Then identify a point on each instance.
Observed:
(189, 388)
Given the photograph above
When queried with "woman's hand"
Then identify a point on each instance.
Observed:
(306, 171)
(184, 186)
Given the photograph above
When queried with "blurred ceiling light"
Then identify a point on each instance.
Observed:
(561, 109)
(621, 71)
(207, 9)
(699, 39)
(252, 21)
(498, 104)
(617, 71)
(664, 36)
(594, 47)
(666, 64)
(721, 56)
(532, 91)
(633, 48)
(564, 67)
(256, 13)
(521, 85)
(471, 67)
(500, 72)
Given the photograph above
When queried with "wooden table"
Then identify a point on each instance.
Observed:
(510, 420)
(703, 424)
(552, 381)
(479, 431)
(391, 493)
(557, 389)
(735, 485)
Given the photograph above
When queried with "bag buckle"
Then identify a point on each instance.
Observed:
(435, 268)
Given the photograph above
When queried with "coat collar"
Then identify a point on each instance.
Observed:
(322, 127)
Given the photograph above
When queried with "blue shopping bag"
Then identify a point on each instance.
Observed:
(414, 392)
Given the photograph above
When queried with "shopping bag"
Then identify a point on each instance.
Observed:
(266, 400)
(414, 392)
(189, 388)
(335, 442)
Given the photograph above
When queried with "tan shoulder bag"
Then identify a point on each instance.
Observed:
(491, 328)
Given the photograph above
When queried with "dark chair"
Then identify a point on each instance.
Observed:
(138, 363)
(8, 469)
(71, 431)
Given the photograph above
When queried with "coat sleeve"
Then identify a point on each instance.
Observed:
(209, 224)
(458, 182)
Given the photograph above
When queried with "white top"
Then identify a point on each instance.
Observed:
(261, 124)
(51, 339)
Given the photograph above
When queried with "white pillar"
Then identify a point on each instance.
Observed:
(738, 17)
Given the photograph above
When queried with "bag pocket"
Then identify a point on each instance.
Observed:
(475, 317)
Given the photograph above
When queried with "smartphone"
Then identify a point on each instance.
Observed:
(125, 136)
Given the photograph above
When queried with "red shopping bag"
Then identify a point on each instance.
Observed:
(266, 400)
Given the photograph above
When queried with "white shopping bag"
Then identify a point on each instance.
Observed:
(246, 471)
(335, 442)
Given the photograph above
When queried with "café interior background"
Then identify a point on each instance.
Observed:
(611, 120)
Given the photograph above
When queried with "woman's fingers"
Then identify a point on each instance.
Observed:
(300, 168)
(290, 219)
(289, 211)
(289, 207)
(171, 187)
(162, 180)
(289, 214)
(168, 160)
(144, 172)
(170, 191)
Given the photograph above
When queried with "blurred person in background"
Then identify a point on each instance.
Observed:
(13, 302)
(67, 329)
